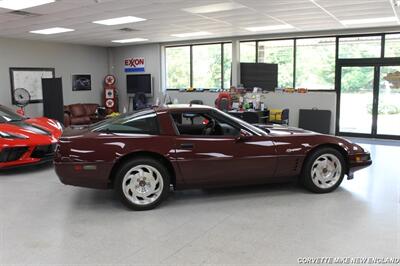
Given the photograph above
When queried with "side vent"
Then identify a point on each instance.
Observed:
(128, 30)
(23, 13)
(296, 165)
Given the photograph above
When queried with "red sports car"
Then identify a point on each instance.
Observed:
(26, 141)
(141, 154)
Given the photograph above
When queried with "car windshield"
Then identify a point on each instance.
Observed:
(7, 115)
(252, 128)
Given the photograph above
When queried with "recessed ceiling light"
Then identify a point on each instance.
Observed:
(191, 34)
(214, 8)
(22, 4)
(270, 28)
(368, 20)
(54, 30)
(118, 21)
(130, 40)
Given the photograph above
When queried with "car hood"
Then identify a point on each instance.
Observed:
(279, 130)
(45, 124)
(38, 130)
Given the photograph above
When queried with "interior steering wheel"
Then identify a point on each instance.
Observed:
(209, 128)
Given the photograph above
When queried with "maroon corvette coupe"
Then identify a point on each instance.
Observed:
(141, 154)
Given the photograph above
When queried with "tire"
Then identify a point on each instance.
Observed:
(142, 183)
(323, 170)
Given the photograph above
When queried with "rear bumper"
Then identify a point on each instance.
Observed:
(89, 175)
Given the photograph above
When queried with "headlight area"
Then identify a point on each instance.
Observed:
(360, 157)
(8, 135)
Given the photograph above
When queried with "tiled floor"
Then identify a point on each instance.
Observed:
(45, 222)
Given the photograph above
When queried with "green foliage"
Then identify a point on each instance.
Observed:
(178, 67)
(315, 63)
(356, 79)
(385, 109)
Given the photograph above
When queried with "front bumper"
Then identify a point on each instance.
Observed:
(11, 157)
(357, 162)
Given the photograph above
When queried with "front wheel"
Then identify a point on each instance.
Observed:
(142, 184)
(324, 170)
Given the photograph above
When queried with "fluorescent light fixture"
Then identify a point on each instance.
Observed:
(368, 20)
(54, 30)
(23, 4)
(270, 28)
(118, 21)
(214, 8)
(191, 34)
(130, 40)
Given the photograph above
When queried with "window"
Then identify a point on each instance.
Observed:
(178, 67)
(207, 66)
(227, 65)
(248, 52)
(143, 122)
(315, 63)
(360, 47)
(281, 53)
(392, 45)
(203, 124)
(199, 66)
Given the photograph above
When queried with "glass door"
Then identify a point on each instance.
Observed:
(369, 101)
(356, 99)
(388, 110)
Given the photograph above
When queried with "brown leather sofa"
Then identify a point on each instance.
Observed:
(81, 114)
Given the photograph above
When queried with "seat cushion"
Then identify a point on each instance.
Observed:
(90, 108)
(77, 110)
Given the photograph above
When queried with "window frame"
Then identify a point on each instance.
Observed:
(191, 62)
(212, 114)
(337, 37)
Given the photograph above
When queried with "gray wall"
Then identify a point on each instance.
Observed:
(152, 56)
(67, 59)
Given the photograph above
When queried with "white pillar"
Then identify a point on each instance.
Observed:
(235, 62)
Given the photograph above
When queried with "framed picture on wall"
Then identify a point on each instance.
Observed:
(29, 78)
(81, 82)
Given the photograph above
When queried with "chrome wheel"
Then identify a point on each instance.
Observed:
(142, 184)
(326, 171)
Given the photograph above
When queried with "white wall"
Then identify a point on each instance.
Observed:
(293, 101)
(152, 56)
(67, 59)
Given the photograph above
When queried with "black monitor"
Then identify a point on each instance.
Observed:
(260, 75)
(139, 83)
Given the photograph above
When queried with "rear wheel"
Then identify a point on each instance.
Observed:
(142, 184)
(324, 170)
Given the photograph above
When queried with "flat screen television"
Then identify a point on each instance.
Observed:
(262, 75)
(139, 83)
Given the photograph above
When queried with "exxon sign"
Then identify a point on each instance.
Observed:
(134, 64)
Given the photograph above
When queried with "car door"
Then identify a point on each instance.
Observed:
(224, 159)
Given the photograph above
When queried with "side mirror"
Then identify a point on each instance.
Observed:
(244, 135)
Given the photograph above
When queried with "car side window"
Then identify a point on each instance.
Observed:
(145, 124)
(202, 124)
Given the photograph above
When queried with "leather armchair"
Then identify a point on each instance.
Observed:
(81, 114)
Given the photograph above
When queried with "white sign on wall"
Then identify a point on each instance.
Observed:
(134, 64)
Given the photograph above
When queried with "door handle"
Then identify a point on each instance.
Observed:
(187, 145)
